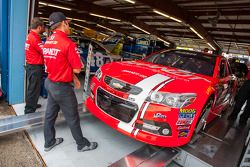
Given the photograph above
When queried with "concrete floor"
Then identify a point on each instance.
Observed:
(16, 149)
(112, 145)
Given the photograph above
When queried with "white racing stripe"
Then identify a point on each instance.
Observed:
(136, 132)
(147, 85)
(144, 110)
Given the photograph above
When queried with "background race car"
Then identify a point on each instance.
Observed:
(101, 54)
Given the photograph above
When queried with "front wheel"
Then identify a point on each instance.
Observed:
(203, 117)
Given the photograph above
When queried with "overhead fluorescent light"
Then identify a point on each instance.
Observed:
(43, 3)
(54, 6)
(196, 32)
(140, 29)
(163, 40)
(104, 34)
(105, 17)
(73, 19)
(44, 18)
(211, 46)
(130, 1)
(98, 25)
(167, 16)
(78, 25)
(130, 37)
(40, 12)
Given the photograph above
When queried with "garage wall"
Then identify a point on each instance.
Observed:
(12, 51)
(4, 44)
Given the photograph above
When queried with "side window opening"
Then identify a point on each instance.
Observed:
(223, 69)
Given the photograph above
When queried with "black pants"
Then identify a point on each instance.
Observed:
(34, 78)
(242, 97)
(62, 96)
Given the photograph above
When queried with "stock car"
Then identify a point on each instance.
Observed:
(101, 54)
(164, 99)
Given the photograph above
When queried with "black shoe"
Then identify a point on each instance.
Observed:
(92, 146)
(38, 106)
(58, 141)
(28, 112)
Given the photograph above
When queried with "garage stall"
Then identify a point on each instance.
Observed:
(159, 80)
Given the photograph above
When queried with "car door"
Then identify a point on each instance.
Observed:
(223, 85)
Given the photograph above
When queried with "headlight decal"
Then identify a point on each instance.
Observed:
(157, 96)
(174, 100)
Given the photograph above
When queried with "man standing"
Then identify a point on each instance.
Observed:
(242, 97)
(62, 61)
(34, 65)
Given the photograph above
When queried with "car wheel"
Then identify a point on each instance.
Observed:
(205, 112)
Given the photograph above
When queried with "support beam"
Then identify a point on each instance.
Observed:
(175, 11)
(105, 11)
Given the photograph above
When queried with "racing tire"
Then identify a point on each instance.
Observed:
(204, 114)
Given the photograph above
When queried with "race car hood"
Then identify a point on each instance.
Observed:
(134, 72)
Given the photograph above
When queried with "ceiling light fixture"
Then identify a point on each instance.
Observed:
(163, 40)
(104, 34)
(130, 37)
(130, 1)
(55, 6)
(98, 25)
(167, 16)
(44, 18)
(105, 17)
(73, 19)
(140, 29)
(196, 32)
(78, 25)
(211, 46)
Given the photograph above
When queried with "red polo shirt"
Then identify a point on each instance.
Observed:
(33, 49)
(248, 74)
(60, 57)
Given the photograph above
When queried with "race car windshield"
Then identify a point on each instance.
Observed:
(184, 60)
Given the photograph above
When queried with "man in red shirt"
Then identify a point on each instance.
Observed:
(62, 61)
(34, 65)
(242, 98)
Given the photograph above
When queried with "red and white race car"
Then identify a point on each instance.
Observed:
(163, 99)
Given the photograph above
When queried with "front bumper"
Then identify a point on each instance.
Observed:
(138, 132)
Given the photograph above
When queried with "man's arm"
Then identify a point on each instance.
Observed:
(76, 81)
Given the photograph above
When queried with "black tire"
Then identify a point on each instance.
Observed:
(204, 114)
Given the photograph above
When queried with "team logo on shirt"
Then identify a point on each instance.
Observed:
(50, 52)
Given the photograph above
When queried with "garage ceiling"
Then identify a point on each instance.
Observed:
(189, 23)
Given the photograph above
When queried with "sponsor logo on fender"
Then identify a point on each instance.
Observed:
(184, 121)
(187, 113)
(131, 99)
(159, 115)
(185, 127)
(183, 133)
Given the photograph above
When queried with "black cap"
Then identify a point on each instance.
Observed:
(56, 17)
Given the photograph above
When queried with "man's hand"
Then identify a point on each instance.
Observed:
(76, 81)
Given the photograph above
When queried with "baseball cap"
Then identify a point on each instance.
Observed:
(56, 17)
